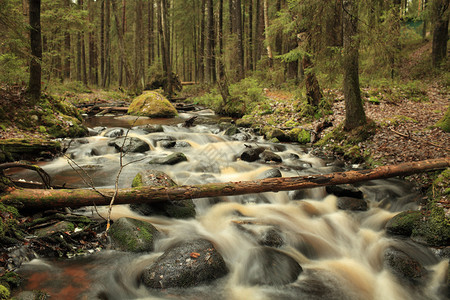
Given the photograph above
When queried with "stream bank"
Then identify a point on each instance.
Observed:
(54, 215)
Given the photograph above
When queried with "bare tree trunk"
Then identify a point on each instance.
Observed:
(44, 199)
(250, 36)
(122, 52)
(266, 34)
(107, 67)
(201, 51)
(210, 57)
(138, 46)
(354, 111)
(440, 31)
(102, 40)
(67, 49)
(313, 90)
(34, 87)
(92, 53)
(151, 53)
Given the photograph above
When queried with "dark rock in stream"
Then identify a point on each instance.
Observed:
(115, 132)
(167, 144)
(349, 203)
(132, 235)
(171, 159)
(251, 154)
(151, 128)
(403, 266)
(269, 156)
(185, 265)
(344, 190)
(132, 144)
(269, 266)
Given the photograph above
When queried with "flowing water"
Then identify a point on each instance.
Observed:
(341, 252)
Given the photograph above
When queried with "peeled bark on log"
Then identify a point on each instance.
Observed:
(43, 199)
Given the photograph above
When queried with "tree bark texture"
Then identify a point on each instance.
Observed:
(354, 111)
(440, 32)
(44, 199)
(34, 87)
(313, 91)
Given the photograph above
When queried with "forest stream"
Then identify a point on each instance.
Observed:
(306, 244)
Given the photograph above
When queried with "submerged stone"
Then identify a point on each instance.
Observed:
(269, 266)
(403, 266)
(132, 235)
(184, 265)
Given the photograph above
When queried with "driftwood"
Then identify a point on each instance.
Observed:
(42, 199)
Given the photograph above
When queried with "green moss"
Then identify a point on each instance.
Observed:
(404, 223)
(152, 104)
(304, 137)
(444, 123)
(137, 180)
(4, 293)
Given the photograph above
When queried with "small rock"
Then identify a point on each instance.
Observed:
(251, 154)
(403, 266)
(349, 203)
(345, 190)
(269, 156)
(271, 173)
(403, 223)
(62, 226)
(131, 144)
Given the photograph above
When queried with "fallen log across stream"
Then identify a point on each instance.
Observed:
(45, 199)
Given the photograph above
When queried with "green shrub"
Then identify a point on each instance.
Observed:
(12, 69)
(444, 123)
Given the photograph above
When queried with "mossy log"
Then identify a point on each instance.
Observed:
(42, 199)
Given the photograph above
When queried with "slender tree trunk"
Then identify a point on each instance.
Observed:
(107, 48)
(201, 51)
(34, 87)
(440, 32)
(251, 51)
(165, 44)
(266, 34)
(66, 48)
(354, 111)
(151, 53)
(122, 28)
(92, 52)
(139, 45)
(122, 53)
(222, 81)
(237, 31)
(44, 199)
(210, 57)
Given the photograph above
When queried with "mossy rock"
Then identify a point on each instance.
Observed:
(152, 104)
(62, 226)
(133, 235)
(171, 159)
(444, 123)
(304, 137)
(403, 223)
(27, 149)
(278, 134)
(433, 231)
(245, 122)
(4, 292)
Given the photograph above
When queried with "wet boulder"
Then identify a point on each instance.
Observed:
(349, 203)
(115, 132)
(271, 237)
(269, 266)
(269, 156)
(403, 223)
(277, 134)
(344, 190)
(251, 154)
(183, 209)
(171, 159)
(152, 104)
(403, 266)
(130, 144)
(149, 128)
(167, 144)
(185, 265)
(132, 235)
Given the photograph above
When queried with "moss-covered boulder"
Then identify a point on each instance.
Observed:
(403, 223)
(184, 265)
(4, 293)
(152, 104)
(183, 209)
(132, 235)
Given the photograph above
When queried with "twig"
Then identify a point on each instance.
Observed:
(418, 140)
(46, 179)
